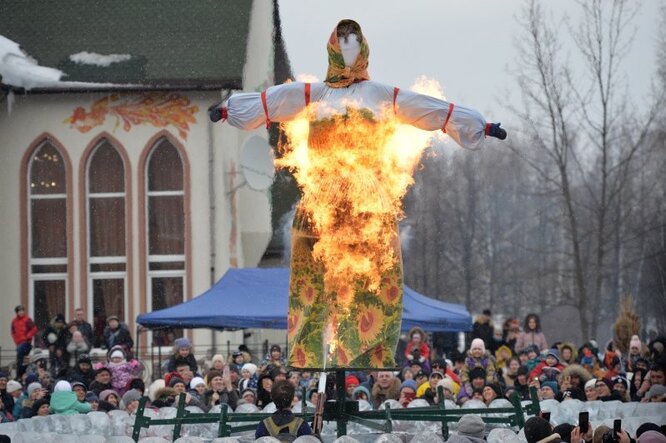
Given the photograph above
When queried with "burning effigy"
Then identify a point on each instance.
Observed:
(353, 145)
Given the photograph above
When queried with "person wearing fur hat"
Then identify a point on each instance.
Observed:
(417, 343)
(531, 334)
(164, 397)
(478, 357)
(449, 387)
(503, 354)
(573, 379)
(182, 353)
(567, 353)
(550, 368)
(387, 387)
(64, 401)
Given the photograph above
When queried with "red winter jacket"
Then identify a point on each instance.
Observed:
(23, 329)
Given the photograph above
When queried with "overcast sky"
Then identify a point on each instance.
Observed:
(467, 45)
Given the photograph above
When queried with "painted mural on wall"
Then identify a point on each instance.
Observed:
(160, 109)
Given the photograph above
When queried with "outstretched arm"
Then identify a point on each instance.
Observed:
(464, 125)
(249, 110)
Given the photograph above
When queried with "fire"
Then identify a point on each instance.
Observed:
(353, 171)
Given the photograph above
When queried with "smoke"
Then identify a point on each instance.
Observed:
(286, 221)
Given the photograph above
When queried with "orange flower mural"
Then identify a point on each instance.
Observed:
(160, 109)
(308, 294)
(390, 292)
(380, 355)
(370, 322)
(342, 356)
(294, 322)
(301, 358)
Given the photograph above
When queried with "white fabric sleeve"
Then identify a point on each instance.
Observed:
(466, 126)
(284, 102)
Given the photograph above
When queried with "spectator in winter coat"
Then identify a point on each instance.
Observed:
(23, 330)
(117, 334)
(122, 371)
(478, 357)
(83, 326)
(264, 386)
(64, 401)
(471, 429)
(509, 373)
(220, 391)
(102, 381)
(573, 379)
(83, 370)
(182, 353)
(567, 354)
(387, 387)
(56, 336)
(417, 343)
(483, 328)
(510, 333)
(76, 347)
(531, 334)
(550, 368)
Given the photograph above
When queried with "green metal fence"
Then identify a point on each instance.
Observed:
(343, 412)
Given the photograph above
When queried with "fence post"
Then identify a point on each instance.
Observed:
(140, 420)
(442, 407)
(223, 430)
(520, 414)
(180, 413)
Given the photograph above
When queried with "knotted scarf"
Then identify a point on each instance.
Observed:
(339, 75)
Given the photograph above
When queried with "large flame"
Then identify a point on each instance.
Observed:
(353, 171)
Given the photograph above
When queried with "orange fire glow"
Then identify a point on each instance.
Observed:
(353, 171)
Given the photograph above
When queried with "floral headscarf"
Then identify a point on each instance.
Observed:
(339, 75)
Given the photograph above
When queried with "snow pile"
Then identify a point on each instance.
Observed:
(92, 58)
(20, 70)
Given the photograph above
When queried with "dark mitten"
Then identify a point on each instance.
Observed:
(494, 130)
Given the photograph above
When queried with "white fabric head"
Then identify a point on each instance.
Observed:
(350, 49)
(62, 385)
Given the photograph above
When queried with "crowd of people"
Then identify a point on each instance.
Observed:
(65, 381)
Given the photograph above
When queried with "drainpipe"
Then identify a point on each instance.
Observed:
(211, 217)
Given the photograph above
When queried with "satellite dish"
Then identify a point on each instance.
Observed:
(256, 162)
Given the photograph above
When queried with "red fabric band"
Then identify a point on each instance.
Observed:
(307, 94)
(395, 96)
(265, 105)
(446, 122)
(488, 128)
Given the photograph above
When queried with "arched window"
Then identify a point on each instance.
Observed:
(47, 233)
(107, 233)
(165, 216)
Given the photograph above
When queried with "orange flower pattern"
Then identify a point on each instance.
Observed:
(160, 109)
(367, 329)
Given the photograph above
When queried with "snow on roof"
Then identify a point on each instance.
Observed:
(20, 70)
(92, 58)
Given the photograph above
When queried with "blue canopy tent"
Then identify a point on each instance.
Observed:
(257, 298)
